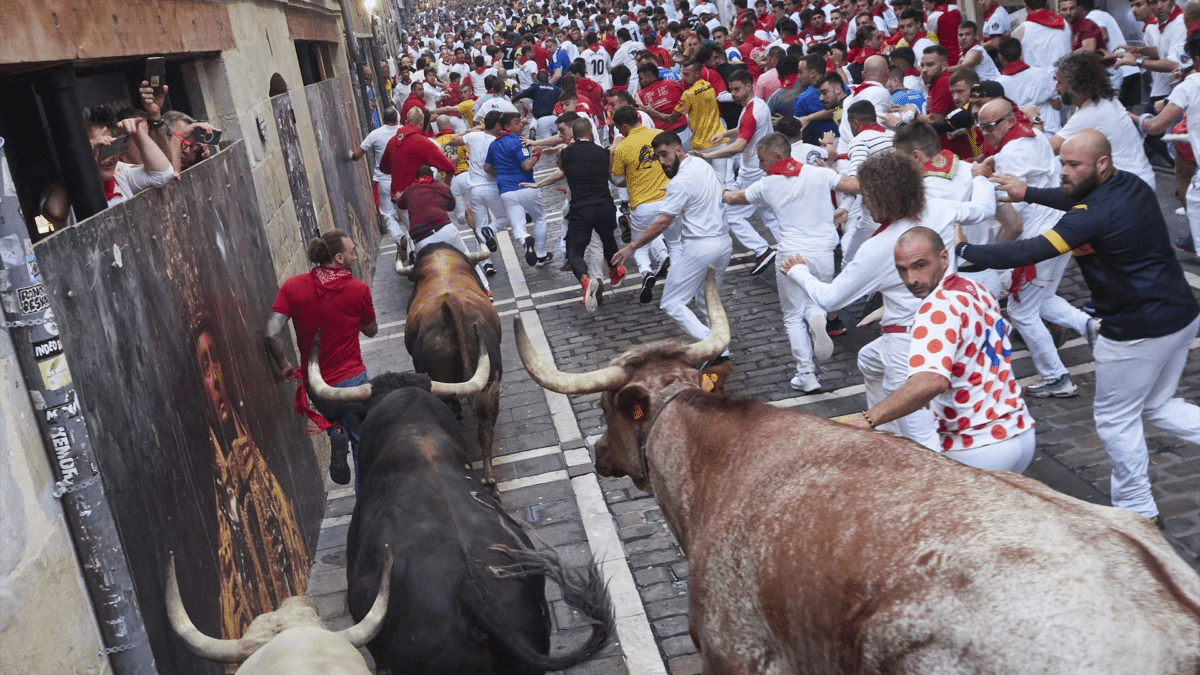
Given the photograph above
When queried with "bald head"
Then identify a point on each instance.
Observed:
(923, 238)
(994, 110)
(875, 69)
(443, 122)
(1088, 144)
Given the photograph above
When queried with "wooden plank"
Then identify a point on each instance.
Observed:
(293, 157)
(161, 302)
(348, 184)
(305, 24)
(42, 31)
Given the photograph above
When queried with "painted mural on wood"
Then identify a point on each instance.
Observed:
(161, 303)
(335, 123)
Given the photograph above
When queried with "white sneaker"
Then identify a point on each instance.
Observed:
(821, 342)
(1181, 211)
(806, 382)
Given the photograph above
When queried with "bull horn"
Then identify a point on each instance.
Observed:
(472, 386)
(364, 631)
(479, 257)
(402, 269)
(322, 390)
(605, 379)
(225, 651)
(718, 339)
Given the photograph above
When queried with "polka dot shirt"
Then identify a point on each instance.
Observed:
(958, 333)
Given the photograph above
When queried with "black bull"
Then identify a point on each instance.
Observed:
(450, 322)
(467, 587)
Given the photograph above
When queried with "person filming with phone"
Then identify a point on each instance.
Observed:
(109, 139)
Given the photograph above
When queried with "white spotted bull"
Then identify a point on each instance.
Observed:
(818, 548)
(288, 641)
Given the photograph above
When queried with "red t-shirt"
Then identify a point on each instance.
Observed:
(1084, 28)
(663, 96)
(940, 101)
(337, 304)
(406, 152)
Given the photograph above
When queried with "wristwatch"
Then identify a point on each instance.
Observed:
(157, 124)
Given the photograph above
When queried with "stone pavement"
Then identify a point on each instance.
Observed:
(545, 472)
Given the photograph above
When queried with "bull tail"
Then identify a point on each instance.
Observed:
(452, 310)
(582, 589)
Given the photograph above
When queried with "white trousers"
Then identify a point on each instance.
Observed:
(1011, 454)
(1039, 300)
(1193, 208)
(739, 218)
(516, 204)
(546, 127)
(685, 283)
(884, 366)
(1136, 379)
(448, 234)
(386, 208)
(484, 198)
(639, 219)
(460, 187)
(795, 303)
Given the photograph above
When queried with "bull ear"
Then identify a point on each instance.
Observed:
(633, 404)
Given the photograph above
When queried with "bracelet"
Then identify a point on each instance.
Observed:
(868, 419)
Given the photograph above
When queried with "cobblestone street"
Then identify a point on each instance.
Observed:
(543, 439)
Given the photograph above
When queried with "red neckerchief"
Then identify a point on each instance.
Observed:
(873, 126)
(1022, 129)
(862, 87)
(941, 8)
(303, 408)
(882, 226)
(1014, 67)
(1194, 29)
(789, 80)
(912, 71)
(1175, 13)
(326, 279)
(1151, 20)
(480, 70)
(785, 167)
(1020, 277)
(988, 14)
(110, 189)
(970, 46)
(423, 180)
(1046, 18)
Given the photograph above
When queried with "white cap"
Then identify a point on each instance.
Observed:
(706, 8)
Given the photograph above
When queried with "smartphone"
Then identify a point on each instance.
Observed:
(206, 137)
(156, 67)
(117, 147)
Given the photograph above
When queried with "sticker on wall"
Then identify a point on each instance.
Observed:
(33, 299)
(47, 348)
(55, 374)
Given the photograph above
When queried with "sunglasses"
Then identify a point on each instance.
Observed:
(988, 126)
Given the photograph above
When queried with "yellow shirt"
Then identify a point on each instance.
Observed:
(467, 110)
(458, 154)
(699, 103)
(634, 159)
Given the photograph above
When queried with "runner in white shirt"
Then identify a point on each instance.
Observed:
(868, 138)
(753, 125)
(799, 196)
(485, 196)
(1084, 83)
(995, 21)
(1163, 52)
(374, 145)
(1025, 152)
(1025, 84)
(1184, 99)
(1045, 37)
(893, 193)
(873, 89)
(694, 199)
(598, 62)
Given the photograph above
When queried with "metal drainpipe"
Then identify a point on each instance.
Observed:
(364, 113)
(39, 352)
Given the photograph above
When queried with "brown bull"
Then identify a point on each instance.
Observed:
(818, 548)
(450, 320)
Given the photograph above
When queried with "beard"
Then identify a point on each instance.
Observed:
(1077, 191)
(674, 168)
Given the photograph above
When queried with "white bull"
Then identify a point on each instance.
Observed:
(289, 641)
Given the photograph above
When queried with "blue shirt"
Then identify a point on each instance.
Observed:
(560, 60)
(505, 155)
(808, 103)
(668, 74)
(544, 95)
(906, 96)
